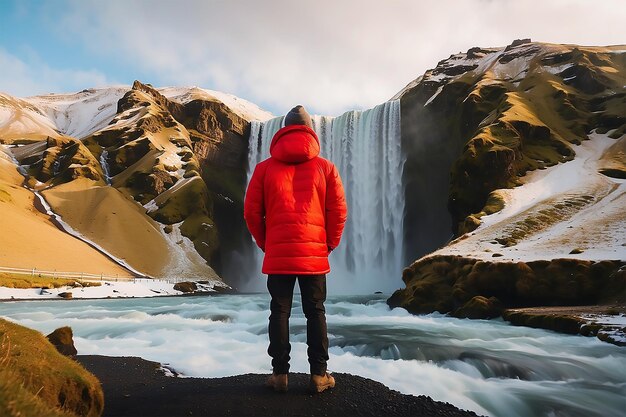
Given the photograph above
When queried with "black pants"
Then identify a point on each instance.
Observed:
(313, 292)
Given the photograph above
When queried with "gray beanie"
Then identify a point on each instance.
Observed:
(298, 116)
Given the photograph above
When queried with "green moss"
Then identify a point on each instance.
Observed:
(178, 203)
(36, 380)
(203, 233)
(226, 181)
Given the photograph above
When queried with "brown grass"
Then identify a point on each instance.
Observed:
(41, 281)
(36, 380)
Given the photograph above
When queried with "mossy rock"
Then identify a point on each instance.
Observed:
(36, 380)
(63, 340)
(561, 323)
(480, 307)
(435, 282)
(64, 160)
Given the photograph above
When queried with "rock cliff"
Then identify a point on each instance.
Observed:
(524, 147)
(480, 120)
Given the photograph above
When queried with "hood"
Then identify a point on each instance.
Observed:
(295, 144)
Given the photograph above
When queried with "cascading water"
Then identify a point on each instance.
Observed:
(365, 146)
(105, 166)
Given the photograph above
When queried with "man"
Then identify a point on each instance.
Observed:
(295, 209)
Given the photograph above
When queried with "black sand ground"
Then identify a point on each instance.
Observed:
(136, 387)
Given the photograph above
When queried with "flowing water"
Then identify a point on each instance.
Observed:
(365, 147)
(486, 366)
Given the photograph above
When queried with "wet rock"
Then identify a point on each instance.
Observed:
(67, 295)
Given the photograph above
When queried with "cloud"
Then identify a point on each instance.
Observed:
(20, 78)
(328, 55)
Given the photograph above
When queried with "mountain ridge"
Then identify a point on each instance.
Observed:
(485, 117)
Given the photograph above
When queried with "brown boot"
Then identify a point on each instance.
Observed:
(278, 382)
(321, 383)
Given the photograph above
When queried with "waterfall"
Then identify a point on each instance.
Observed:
(365, 146)
(105, 166)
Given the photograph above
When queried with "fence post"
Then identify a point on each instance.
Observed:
(32, 275)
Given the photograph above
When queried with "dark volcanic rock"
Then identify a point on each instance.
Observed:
(186, 286)
(63, 340)
(584, 320)
(135, 387)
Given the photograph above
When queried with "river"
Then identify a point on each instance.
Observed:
(486, 366)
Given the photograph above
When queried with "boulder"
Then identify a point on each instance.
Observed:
(186, 287)
(63, 341)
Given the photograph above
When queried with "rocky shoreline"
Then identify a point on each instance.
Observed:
(134, 386)
(565, 295)
(606, 322)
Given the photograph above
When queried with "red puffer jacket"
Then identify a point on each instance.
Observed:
(295, 206)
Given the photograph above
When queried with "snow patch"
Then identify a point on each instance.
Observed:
(596, 227)
(139, 287)
(80, 114)
(243, 108)
(434, 95)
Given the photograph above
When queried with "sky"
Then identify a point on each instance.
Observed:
(329, 55)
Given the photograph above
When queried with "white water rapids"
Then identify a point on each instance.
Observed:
(486, 366)
(365, 147)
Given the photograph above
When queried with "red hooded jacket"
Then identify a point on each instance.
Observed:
(295, 206)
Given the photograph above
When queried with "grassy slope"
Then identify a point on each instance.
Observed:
(36, 380)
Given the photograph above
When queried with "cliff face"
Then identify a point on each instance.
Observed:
(531, 138)
(154, 177)
(480, 120)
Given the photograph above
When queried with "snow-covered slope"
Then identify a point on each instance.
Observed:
(243, 108)
(80, 114)
(20, 119)
(566, 208)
